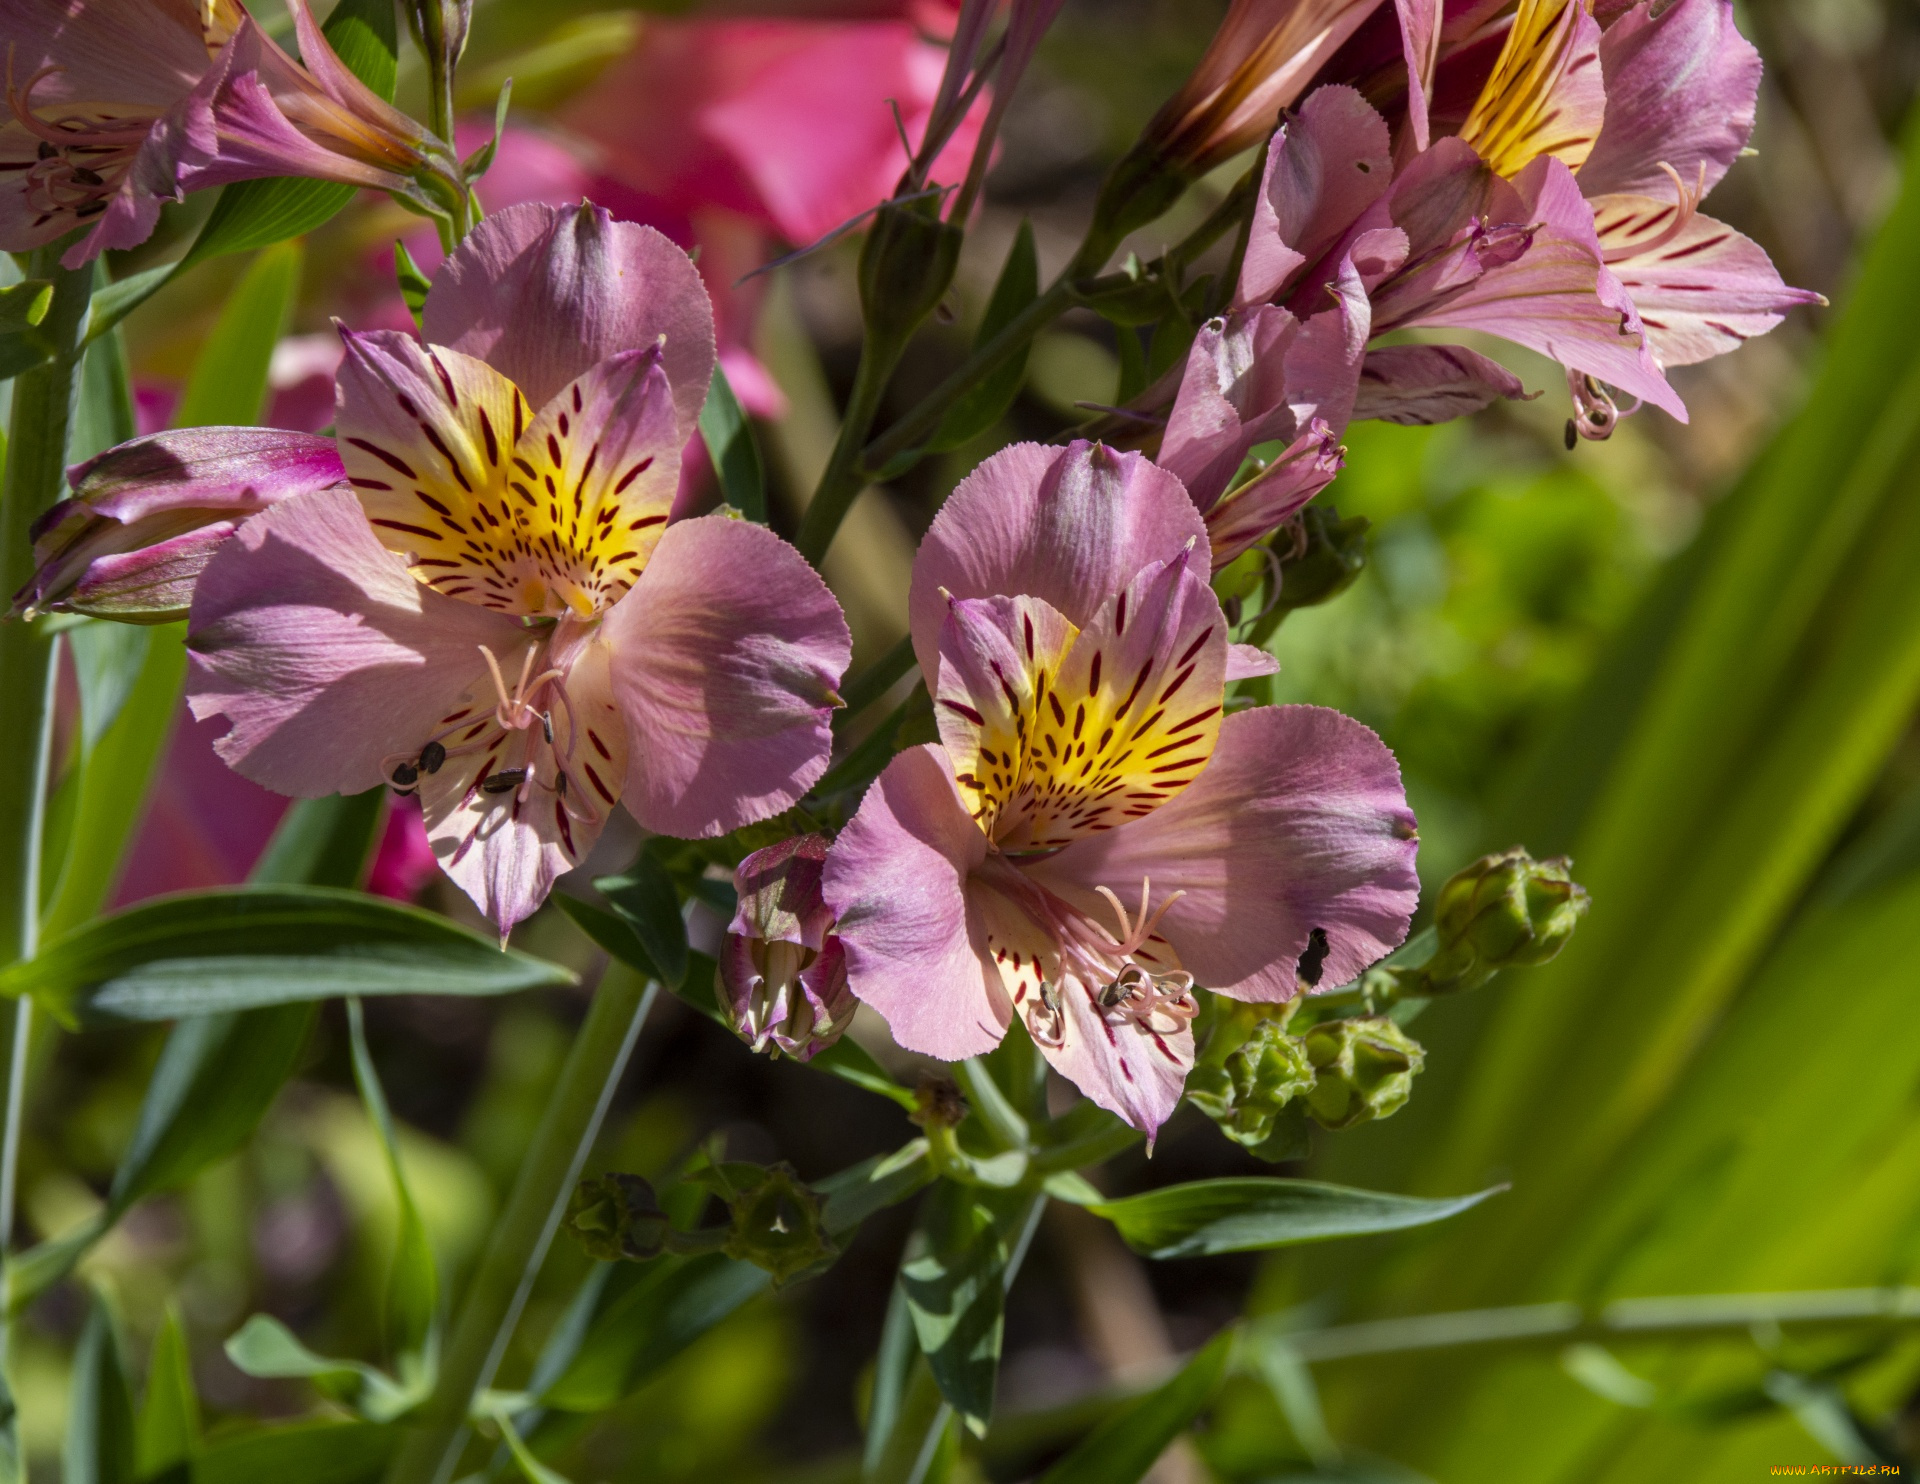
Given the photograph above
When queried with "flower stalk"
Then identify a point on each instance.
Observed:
(43, 403)
(491, 1308)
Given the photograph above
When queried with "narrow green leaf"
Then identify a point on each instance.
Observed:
(414, 285)
(216, 1076)
(952, 1278)
(892, 1370)
(324, 842)
(24, 305)
(107, 661)
(413, 1287)
(670, 1304)
(874, 1184)
(617, 937)
(103, 417)
(168, 1434)
(644, 898)
(326, 1452)
(229, 381)
(119, 299)
(851, 1062)
(114, 776)
(531, 1468)
(22, 352)
(1126, 1445)
(202, 952)
(259, 213)
(735, 454)
(100, 1432)
(1253, 1214)
(987, 403)
(265, 1347)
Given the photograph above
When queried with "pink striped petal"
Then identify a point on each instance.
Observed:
(897, 879)
(725, 658)
(1072, 526)
(324, 654)
(543, 293)
(1298, 827)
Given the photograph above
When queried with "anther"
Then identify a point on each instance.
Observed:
(405, 776)
(503, 782)
(47, 151)
(546, 726)
(431, 757)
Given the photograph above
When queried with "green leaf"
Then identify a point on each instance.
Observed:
(229, 381)
(1252, 1214)
(265, 1347)
(202, 952)
(952, 1277)
(107, 661)
(735, 454)
(644, 898)
(979, 409)
(103, 416)
(259, 213)
(111, 784)
(851, 1062)
(874, 1184)
(413, 1287)
(414, 285)
(324, 842)
(328, 1452)
(168, 1434)
(531, 1468)
(644, 1323)
(100, 1432)
(24, 305)
(1122, 1448)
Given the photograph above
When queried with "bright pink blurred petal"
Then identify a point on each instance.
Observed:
(404, 862)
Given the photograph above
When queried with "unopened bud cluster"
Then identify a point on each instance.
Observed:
(1504, 911)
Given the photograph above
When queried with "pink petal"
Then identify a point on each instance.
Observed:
(148, 514)
(1248, 662)
(1072, 526)
(1702, 293)
(1416, 384)
(326, 656)
(1420, 22)
(1127, 1069)
(726, 655)
(897, 880)
(1256, 509)
(543, 293)
(1325, 167)
(1298, 823)
(1680, 91)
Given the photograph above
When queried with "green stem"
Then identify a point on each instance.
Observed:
(43, 403)
(491, 1307)
(1624, 1319)
(874, 682)
(919, 424)
(844, 479)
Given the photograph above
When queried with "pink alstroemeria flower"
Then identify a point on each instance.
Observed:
(119, 105)
(1562, 216)
(498, 613)
(1091, 838)
(1256, 376)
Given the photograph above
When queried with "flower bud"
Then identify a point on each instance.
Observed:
(1324, 560)
(146, 517)
(1364, 1070)
(1505, 910)
(777, 1222)
(906, 268)
(783, 974)
(615, 1218)
(1245, 1092)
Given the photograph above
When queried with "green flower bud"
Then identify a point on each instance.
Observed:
(777, 1222)
(1365, 1070)
(906, 268)
(1321, 556)
(1245, 1091)
(616, 1218)
(1503, 911)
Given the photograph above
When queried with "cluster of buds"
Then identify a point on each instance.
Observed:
(1251, 1071)
(1363, 1070)
(1504, 911)
(783, 973)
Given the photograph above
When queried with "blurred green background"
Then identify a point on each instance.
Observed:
(1690, 657)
